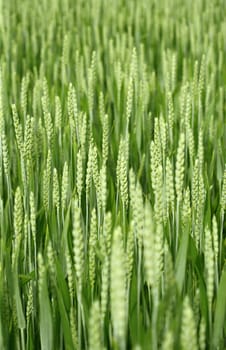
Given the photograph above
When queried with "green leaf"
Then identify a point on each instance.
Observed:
(65, 323)
(220, 311)
(46, 326)
(19, 308)
(182, 259)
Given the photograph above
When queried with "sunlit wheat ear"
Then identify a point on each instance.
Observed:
(74, 333)
(30, 305)
(18, 214)
(92, 247)
(64, 186)
(188, 328)
(89, 171)
(200, 150)
(223, 193)
(5, 154)
(56, 190)
(78, 244)
(154, 163)
(95, 327)
(105, 138)
(118, 289)
(17, 128)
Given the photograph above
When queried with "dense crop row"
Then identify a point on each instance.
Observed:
(112, 174)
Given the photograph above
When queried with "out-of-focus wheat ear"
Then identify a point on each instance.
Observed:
(107, 231)
(179, 174)
(168, 341)
(79, 176)
(105, 275)
(103, 187)
(188, 328)
(2, 107)
(168, 271)
(186, 209)
(191, 146)
(105, 138)
(170, 191)
(92, 248)
(101, 107)
(23, 94)
(65, 58)
(223, 209)
(138, 215)
(129, 103)
(45, 98)
(149, 246)
(209, 271)
(200, 150)
(202, 334)
(83, 135)
(70, 275)
(72, 109)
(91, 84)
(158, 207)
(163, 135)
(202, 76)
(130, 253)
(89, 172)
(58, 113)
(118, 290)
(51, 268)
(95, 342)
(73, 327)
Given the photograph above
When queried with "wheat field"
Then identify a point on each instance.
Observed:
(112, 174)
